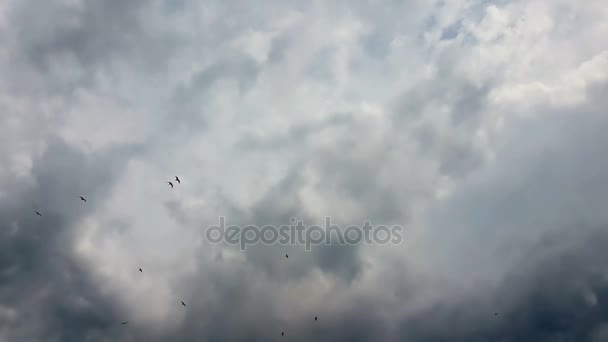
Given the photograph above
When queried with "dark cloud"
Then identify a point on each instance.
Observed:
(41, 280)
(90, 33)
(278, 49)
(63, 45)
(451, 31)
(549, 279)
(420, 106)
(277, 208)
(554, 294)
(535, 213)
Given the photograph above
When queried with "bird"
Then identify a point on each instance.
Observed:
(287, 256)
(177, 180)
(170, 184)
(184, 304)
(140, 270)
(37, 213)
(283, 333)
(82, 199)
(123, 323)
(315, 318)
(496, 314)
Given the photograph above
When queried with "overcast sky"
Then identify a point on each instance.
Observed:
(477, 125)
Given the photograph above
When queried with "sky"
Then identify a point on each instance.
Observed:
(476, 125)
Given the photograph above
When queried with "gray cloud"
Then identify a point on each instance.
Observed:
(42, 282)
(441, 117)
(189, 103)
(546, 255)
(64, 45)
(551, 297)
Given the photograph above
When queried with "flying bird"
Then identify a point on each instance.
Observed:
(177, 180)
(123, 323)
(82, 199)
(184, 304)
(283, 333)
(315, 318)
(170, 184)
(37, 213)
(287, 256)
(140, 270)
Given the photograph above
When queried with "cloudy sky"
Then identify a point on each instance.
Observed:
(477, 125)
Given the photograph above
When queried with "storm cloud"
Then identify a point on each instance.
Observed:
(478, 126)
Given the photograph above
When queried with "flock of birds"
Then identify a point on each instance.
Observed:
(140, 270)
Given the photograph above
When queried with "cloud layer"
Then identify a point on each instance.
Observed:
(476, 125)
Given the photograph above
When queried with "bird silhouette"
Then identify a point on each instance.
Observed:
(287, 256)
(123, 323)
(177, 180)
(140, 270)
(184, 304)
(37, 213)
(283, 333)
(82, 199)
(496, 314)
(170, 184)
(315, 318)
